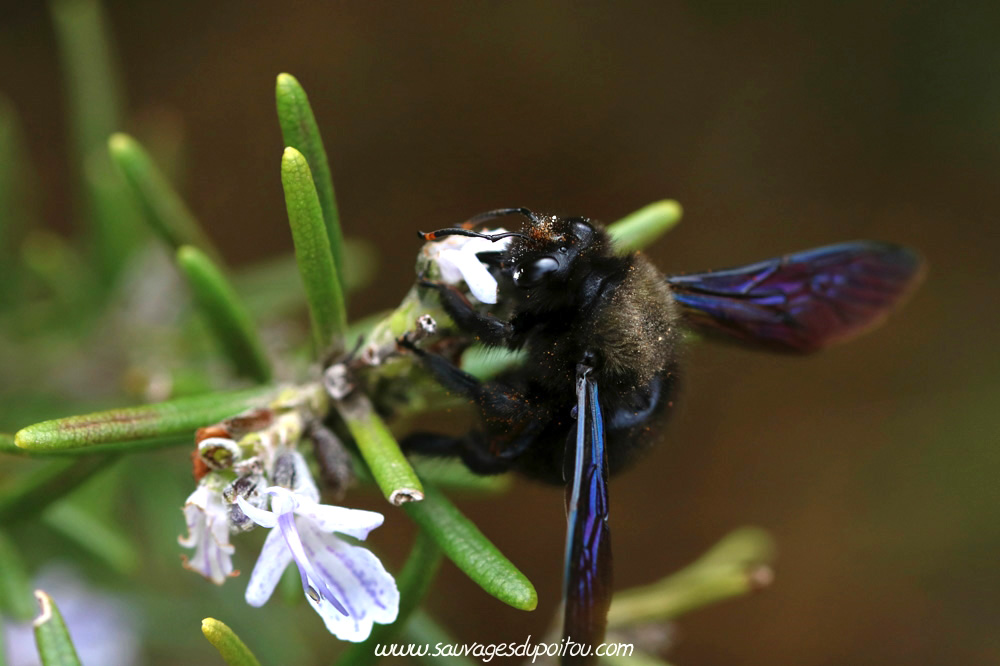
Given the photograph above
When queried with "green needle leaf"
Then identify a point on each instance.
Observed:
(94, 93)
(413, 582)
(105, 541)
(300, 131)
(165, 211)
(453, 474)
(272, 288)
(15, 586)
(736, 565)
(134, 427)
(639, 229)
(390, 468)
(471, 551)
(234, 651)
(55, 648)
(486, 363)
(94, 89)
(312, 251)
(117, 214)
(45, 485)
(445, 473)
(17, 187)
(225, 315)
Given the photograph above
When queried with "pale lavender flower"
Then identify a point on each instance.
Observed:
(345, 584)
(456, 258)
(207, 517)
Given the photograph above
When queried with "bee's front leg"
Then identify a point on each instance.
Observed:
(484, 328)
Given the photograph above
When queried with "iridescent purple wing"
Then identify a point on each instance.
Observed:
(804, 301)
(587, 572)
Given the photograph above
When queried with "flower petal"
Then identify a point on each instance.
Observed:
(358, 579)
(482, 285)
(262, 517)
(313, 585)
(274, 558)
(207, 518)
(353, 522)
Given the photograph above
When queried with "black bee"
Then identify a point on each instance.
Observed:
(602, 331)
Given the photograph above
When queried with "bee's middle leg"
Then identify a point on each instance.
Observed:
(510, 424)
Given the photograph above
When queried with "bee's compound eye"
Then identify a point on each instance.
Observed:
(583, 231)
(531, 273)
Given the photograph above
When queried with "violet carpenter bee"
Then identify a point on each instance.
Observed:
(602, 332)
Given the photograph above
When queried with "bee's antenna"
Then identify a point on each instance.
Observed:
(465, 229)
(458, 231)
(503, 212)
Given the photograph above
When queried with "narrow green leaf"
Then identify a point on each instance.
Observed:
(55, 648)
(102, 540)
(131, 446)
(389, 467)
(273, 287)
(736, 565)
(52, 480)
(15, 586)
(113, 207)
(95, 100)
(17, 187)
(413, 582)
(423, 630)
(470, 550)
(165, 211)
(485, 363)
(639, 229)
(92, 81)
(312, 251)
(134, 425)
(225, 315)
(300, 131)
(445, 473)
(234, 651)
(451, 474)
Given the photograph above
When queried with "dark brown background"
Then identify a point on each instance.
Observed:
(779, 126)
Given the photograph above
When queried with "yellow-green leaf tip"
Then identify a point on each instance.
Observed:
(211, 627)
(291, 156)
(120, 142)
(23, 439)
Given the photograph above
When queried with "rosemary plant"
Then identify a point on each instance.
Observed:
(260, 424)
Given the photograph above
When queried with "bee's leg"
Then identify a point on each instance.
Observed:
(510, 427)
(472, 449)
(450, 376)
(497, 401)
(485, 327)
(511, 423)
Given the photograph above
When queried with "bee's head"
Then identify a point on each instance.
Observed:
(551, 254)
(544, 263)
